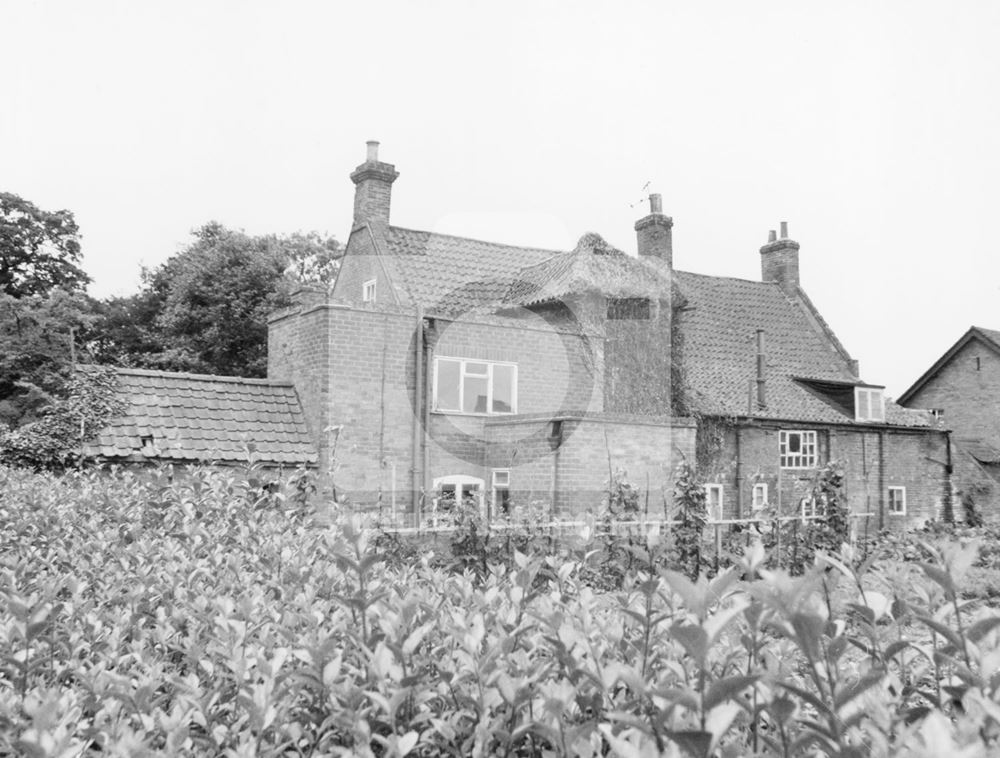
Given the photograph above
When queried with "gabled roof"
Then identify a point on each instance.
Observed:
(989, 337)
(445, 274)
(204, 418)
(718, 350)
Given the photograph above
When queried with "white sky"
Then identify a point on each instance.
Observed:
(872, 128)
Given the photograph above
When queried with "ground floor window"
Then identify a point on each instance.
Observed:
(812, 508)
(713, 501)
(897, 501)
(501, 493)
(455, 489)
(759, 500)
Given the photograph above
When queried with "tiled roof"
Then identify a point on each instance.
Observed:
(718, 351)
(719, 316)
(198, 417)
(982, 451)
(446, 274)
(592, 265)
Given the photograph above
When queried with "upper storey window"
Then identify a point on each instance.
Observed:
(797, 449)
(474, 387)
(368, 291)
(869, 404)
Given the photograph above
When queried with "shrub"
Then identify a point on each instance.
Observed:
(210, 615)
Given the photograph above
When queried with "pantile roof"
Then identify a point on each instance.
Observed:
(718, 352)
(446, 274)
(199, 417)
(718, 316)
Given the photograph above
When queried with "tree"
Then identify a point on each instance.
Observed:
(39, 250)
(54, 440)
(205, 309)
(36, 334)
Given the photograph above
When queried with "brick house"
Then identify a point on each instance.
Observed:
(442, 366)
(962, 390)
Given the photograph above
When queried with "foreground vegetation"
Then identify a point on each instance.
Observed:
(211, 616)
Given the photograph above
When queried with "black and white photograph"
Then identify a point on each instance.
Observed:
(499, 379)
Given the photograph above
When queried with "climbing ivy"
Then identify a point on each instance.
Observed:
(55, 440)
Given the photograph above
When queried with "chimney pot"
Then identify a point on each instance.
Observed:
(784, 230)
(655, 203)
(772, 236)
(372, 151)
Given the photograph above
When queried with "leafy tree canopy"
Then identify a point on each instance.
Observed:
(35, 349)
(39, 250)
(205, 309)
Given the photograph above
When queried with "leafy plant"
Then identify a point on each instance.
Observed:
(692, 516)
(54, 440)
(207, 613)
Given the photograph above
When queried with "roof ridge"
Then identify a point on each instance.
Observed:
(200, 377)
(480, 241)
(991, 334)
(729, 278)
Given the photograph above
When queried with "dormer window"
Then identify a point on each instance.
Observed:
(368, 291)
(869, 404)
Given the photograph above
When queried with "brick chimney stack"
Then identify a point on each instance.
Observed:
(779, 260)
(654, 234)
(373, 180)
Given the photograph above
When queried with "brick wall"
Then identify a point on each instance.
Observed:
(873, 460)
(298, 352)
(354, 370)
(576, 466)
(360, 266)
(968, 389)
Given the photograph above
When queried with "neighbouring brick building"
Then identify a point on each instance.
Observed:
(441, 366)
(962, 390)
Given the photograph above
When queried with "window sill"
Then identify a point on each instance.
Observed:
(472, 415)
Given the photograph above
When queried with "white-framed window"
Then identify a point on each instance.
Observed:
(500, 498)
(869, 404)
(454, 489)
(897, 501)
(476, 387)
(797, 449)
(759, 498)
(811, 508)
(713, 501)
(368, 291)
